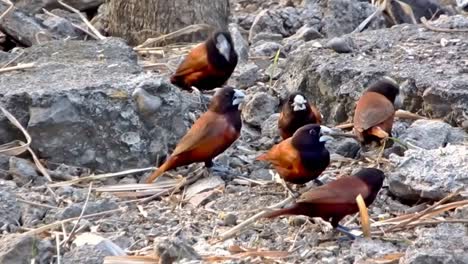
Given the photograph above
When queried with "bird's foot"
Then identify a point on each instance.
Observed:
(290, 191)
(351, 234)
(318, 182)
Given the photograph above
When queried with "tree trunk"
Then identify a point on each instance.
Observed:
(138, 20)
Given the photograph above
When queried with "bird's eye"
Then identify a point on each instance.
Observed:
(312, 132)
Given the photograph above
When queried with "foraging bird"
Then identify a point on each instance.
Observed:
(208, 65)
(210, 135)
(337, 199)
(375, 110)
(302, 157)
(297, 112)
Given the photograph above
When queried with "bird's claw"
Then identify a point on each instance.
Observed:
(350, 234)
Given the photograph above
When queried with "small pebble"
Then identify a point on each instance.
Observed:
(230, 220)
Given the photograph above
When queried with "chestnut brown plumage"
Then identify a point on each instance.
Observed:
(297, 112)
(375, 110)
(337, 199)
(210, 135)
(208, 65)
(302, 157)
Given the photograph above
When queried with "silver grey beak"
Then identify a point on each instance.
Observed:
(238, 97)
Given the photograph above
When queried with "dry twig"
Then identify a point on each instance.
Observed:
(73, 24)
(418, 215)
(18, 67)
(180, 32)
(72, 232)
(8, 2)
(434, 28)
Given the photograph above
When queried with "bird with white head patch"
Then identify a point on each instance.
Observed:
(208, 65)
(211, 134)
(297, 112)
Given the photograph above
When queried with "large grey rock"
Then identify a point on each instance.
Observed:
(259, 107)
(445, 244)
(23, 171)
(343, 16)
(21, 249)
(432, 134)
(245, 75)
(34, 6)
(75, 209)
(430, 75)
(285, 21)
(86, 254)
(240, 44)
(77, 105)
(9, 210)
(265, 49)
(363, 249)
(429, 174)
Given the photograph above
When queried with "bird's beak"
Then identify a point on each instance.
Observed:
(325, 133)
(328, 134)
(398, 104)
(238, 97)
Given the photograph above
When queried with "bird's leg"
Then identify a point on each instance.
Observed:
(346, 231)
(208, 168)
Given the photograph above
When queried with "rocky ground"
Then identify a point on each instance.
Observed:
(100, 107)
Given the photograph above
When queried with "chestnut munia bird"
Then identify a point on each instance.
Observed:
(302, 157)
(337, 199)
(208, 65)
(297, 112)
(375, 110)
(210, 135)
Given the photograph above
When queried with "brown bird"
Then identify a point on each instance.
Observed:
(375, 110)
(210, 135)
(208, 65)
(337, 199)
(297, 112)
(302, 157)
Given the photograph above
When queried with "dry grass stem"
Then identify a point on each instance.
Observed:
(18, 67)
(433, 28)
(365, 224)
(8, 2)
(17, 147)
(61, 222)
(177, 33)
(418, 215)
(73, 24)
(100, 176)
(72, 232)
(85, 20)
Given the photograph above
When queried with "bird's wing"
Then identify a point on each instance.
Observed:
(371, 110)
(343, 190)
(195, 61)
(282, 154)
(208, 132)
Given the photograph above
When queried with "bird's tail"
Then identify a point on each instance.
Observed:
(293, 210)
(264, 156)
(378, 132)
(159, 171)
